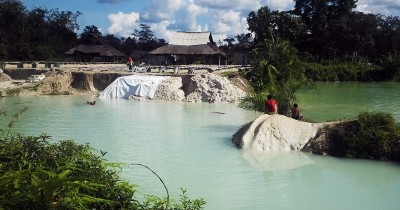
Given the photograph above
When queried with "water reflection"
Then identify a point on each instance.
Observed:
(277, 160)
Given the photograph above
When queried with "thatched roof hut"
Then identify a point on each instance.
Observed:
(95, 48)
(189, 48)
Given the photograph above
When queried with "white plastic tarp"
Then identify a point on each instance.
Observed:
(137, 85)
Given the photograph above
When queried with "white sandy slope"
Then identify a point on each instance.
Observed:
(276, 132)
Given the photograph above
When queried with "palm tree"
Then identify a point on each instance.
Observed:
(275, 71)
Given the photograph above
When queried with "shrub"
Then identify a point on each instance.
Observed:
(373, 135)
(37, 174)
(341, 71)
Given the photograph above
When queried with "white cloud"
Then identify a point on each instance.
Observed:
(385, 7)
(218, 16)
(123, 24)
(160, 10)
(227, 17)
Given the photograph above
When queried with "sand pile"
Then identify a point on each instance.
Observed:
(276, 132)
(213, 88)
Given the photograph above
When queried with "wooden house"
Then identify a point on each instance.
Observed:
(187, 48)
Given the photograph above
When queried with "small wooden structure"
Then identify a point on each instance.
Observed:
(188, 48)
(95, 49)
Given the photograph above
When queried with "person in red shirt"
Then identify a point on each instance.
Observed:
(130, 63)
(271, 106)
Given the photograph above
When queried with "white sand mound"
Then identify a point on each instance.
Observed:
(276, 132)
(213, 88)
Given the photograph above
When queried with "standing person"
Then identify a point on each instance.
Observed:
(130, 63)
(270, 106)
(295, 112)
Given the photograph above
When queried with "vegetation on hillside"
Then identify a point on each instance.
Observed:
(36, 173)
(373, 135)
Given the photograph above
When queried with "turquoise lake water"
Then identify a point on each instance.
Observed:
(189, 145)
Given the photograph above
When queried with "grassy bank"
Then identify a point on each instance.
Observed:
(38, 173)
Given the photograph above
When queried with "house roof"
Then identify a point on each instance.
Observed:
(190, 38)
(189, 43)
(203, 49)
(94, 44)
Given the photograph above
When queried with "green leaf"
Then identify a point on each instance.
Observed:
(64, 174)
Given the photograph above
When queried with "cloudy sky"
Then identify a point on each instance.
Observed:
(220, 17)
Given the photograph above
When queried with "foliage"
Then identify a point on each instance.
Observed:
(145, 38)
(391, 65)
(329, 30)
(25, 32)
(253, 101)
(36, 173)
(282, 24)
(275, 71)
(244, 42)
(90, 30)
(327, 24)
(373, 135)
(341, 71)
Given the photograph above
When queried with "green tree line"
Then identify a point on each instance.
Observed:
(46, 34)
(323, 30)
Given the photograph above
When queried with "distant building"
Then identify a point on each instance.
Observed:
(95, 49)
(241, 58)
(187, 48)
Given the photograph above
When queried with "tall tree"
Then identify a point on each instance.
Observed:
(128, 45)
(244, 42)
(315, 15)
(283, 24)
(114, 41)
(144, 36)
(90, 30)
(361, 32)
(339, 14)
(12, 30)
(388, 36)
(327, 22)
(146, 39)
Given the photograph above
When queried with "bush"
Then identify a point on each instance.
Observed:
(37, 174)
(373, 135)
(341, 72)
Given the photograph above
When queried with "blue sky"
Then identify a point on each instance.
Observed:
(220, 17)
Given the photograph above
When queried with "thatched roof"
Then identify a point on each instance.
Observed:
(189, 43)
(94, 44)
(204, 49)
